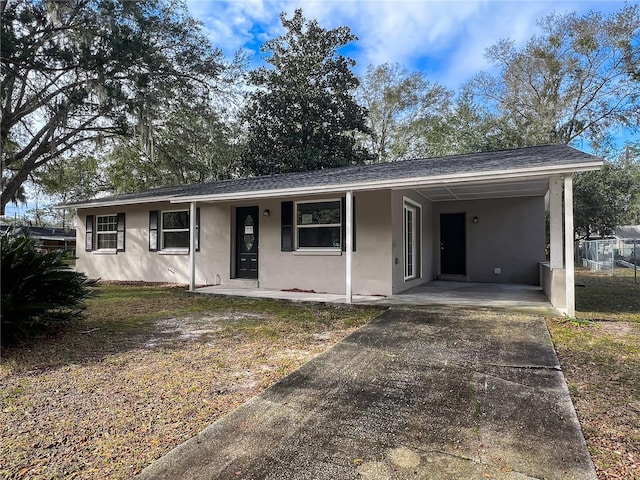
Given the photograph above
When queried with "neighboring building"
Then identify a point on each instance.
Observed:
(49, 238)
(628, 240)
(627, 232)
(372, 229)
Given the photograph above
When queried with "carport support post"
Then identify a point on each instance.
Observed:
(192, 246)
(569, 235)
(348, 225)
(555, 222)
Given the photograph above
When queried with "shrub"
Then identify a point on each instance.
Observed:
(39, 293)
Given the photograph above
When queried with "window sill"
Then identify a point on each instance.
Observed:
(105, 251)
(174, 251)
(328, 253)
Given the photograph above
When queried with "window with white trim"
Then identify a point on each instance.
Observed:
(412, 239)
(174, 229)
(319, 225)
(107, 232)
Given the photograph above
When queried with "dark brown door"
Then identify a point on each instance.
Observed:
(453, 251)
(247, 242)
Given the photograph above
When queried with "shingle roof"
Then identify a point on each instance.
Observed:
(627, 232)
(45, 232)
(530, 157)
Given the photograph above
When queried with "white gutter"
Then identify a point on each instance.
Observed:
(459, 178)
(115, 202)
(66, 239)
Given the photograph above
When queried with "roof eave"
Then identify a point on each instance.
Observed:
(398, 184)
(115, 202)
(355, 186)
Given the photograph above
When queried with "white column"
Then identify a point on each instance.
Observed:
(555, 222)
(348, 224)
(192, 247)
(569, 236)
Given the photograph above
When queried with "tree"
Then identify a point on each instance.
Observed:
(604, 199)
(629, 160)
(302, 113)
(193, 145)
(75, 74)
(572, 81)
(470, 126)
(406, 113)
(74, 178)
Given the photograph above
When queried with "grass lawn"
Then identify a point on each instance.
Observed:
(600, 356)
(152, 366)
(147, 369)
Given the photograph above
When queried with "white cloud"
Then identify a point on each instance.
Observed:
(445, 38)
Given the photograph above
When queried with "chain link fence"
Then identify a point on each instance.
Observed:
(610, 255)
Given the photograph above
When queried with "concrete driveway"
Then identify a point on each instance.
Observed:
(431, 394)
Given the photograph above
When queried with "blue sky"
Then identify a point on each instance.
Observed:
(444, 39)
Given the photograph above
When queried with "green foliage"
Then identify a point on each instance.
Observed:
(572, 81)
(302, 114)
(406, 113)
(629, 160)
(471, 127)
(603, 199)
(583, 322)
(74, 178)
(39, 293)
(75, 74)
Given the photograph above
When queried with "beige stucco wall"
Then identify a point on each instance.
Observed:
(426, 257)
(325, 272)
(554, 285)
(322, 272)
(510, 235)
(138, 263)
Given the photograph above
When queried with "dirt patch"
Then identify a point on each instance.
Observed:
(617, 328)
(203, 328)
(149, 368)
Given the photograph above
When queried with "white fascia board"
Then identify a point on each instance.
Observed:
(115, 203)
(414, 182)
(52, 238)
(371, 185)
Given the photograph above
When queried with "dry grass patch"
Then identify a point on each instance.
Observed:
(600, 356)
(149, 368)
(607, 297)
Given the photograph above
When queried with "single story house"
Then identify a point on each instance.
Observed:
(49, 238)
(627, 246)
(627, 232)
(372, 229)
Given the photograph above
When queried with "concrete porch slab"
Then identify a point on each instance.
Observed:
(285, 295)
(466, 294)
(470, 294)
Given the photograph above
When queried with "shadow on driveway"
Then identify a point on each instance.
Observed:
(433, 394)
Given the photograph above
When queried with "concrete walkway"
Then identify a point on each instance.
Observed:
(432, 394)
